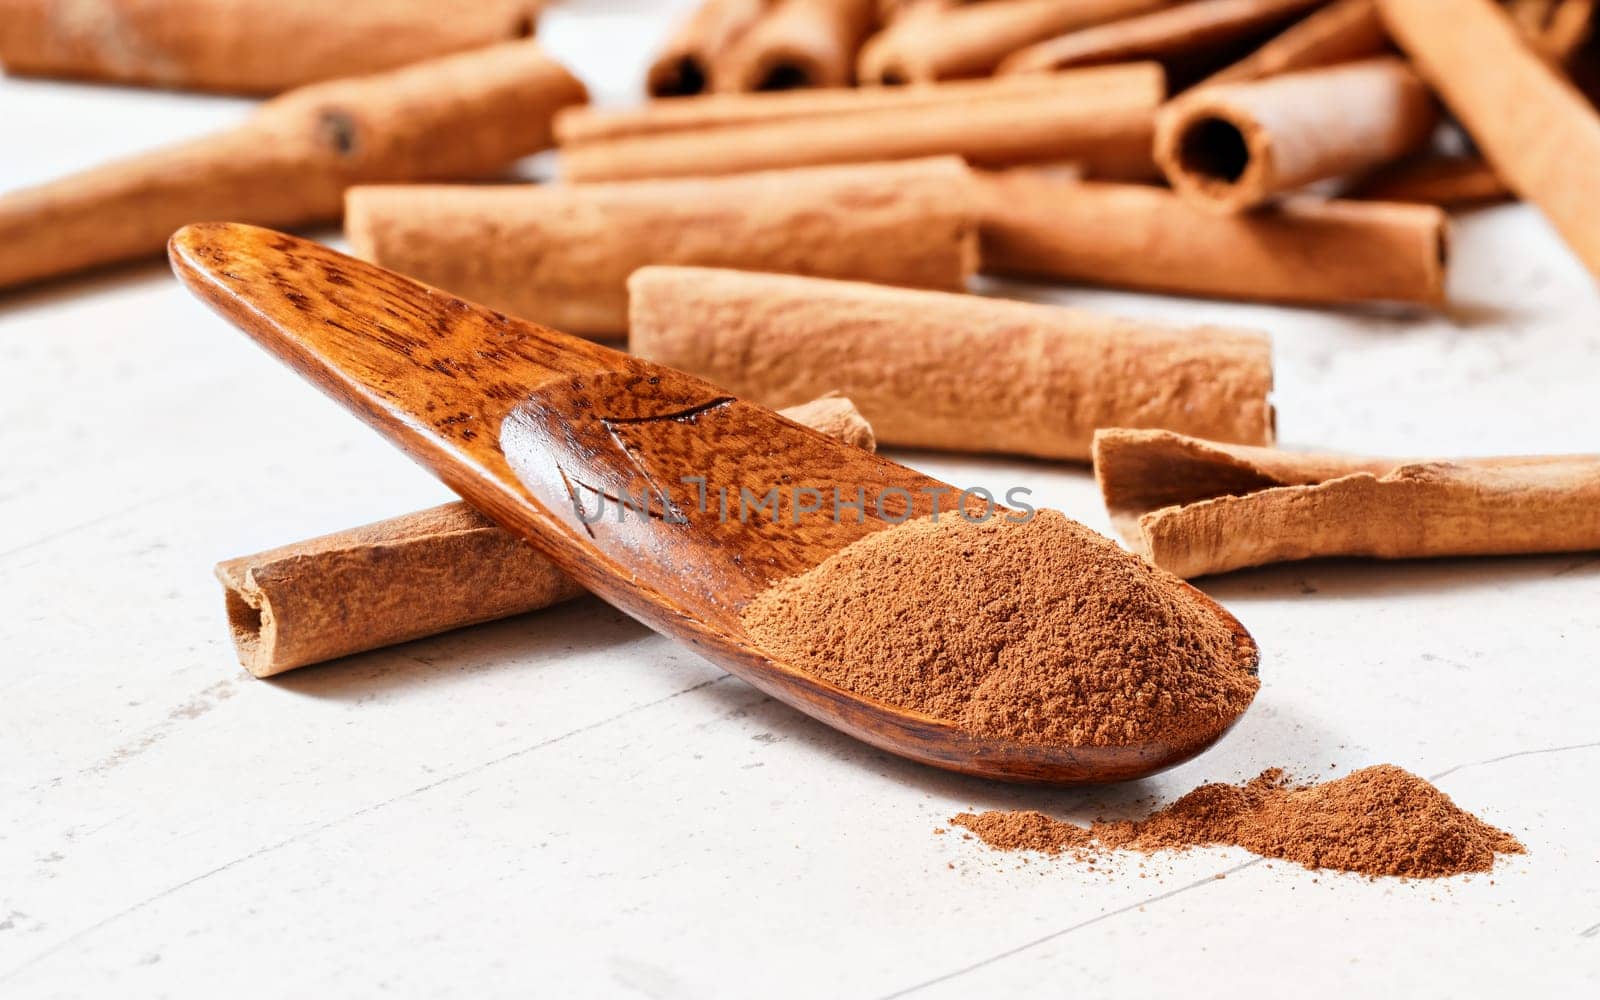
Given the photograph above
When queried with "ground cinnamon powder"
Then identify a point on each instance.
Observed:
(1377, 821)
(1039, 631)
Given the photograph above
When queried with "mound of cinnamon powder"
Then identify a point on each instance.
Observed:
(1040, 632)
(1377, 821)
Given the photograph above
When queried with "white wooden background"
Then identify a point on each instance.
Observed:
(566, 804)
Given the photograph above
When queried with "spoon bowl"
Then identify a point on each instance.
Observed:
(703, 500)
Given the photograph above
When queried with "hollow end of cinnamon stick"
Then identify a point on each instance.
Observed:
(1221, 157)
(686, 64)
(249, 622)
(681, 75)
(1230, 147)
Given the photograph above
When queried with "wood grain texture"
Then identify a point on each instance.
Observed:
(520, 421)
(411, 576)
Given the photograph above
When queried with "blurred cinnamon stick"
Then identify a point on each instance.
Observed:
(1434, 180)
(245, 46)
(1343, 31)
(684, 65)
(413, 576)
(1305, 250)
(1555, 28)
(942, 42)
(1196, 507)
(1190, 39)
(462, 116)
(560, 254)
(1229, 147)
(1538, 132)
(1143, 83)
(796, 44)
(1108, 132)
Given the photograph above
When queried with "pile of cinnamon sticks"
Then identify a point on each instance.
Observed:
(801, 208)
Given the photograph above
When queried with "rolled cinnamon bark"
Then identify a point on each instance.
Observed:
(1141, 83)
(1434, 180)
(889, 10)
(1190, 38)
(1196, 507)
(1541, 136)
(931, 42)
(797, 44)
(952, 372)
(1568, 27)
(462, 116)
(245, 46)
(1304, 250)
(1232, 146)
(413, 576)
(1109, 133)
(1555, 28)
(1344, 31)
(560, 254)
(684, 65)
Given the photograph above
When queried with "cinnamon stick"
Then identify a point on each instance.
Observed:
(1143, 83)
(1196, 507)
(413, 576)
(1343, 31)
(1109, 133)
(952, 372)
(1557, 29)
(684, 65)
(560, 254)
(1304, 250)
(460, 116)
(941, 42)
(796, 44)
(1569, 26)
(1434, 180)
(1229, 147)
(1541, 136)
(1200, 34)
(890, 10)
(245, 46)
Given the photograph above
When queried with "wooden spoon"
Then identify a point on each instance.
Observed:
(528, 424)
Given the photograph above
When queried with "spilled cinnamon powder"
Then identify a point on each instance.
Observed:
(1377, 821)
(1037, 631)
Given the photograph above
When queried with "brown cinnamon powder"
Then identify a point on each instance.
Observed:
(1039, 631)
(1377, 821)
